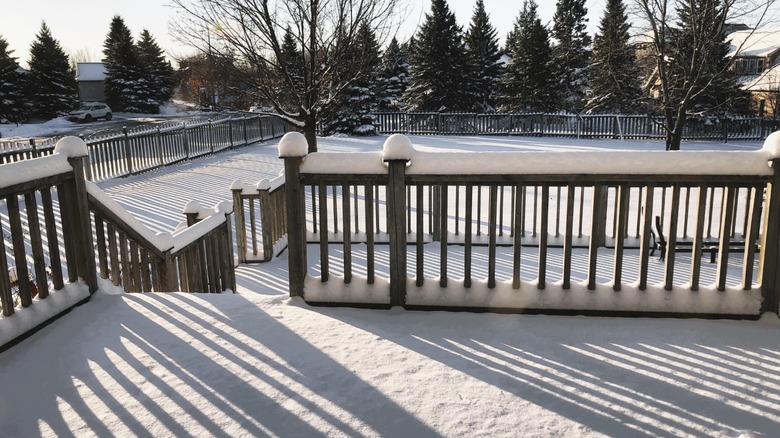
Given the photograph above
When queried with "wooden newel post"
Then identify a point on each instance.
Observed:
(293, 149)
(81, 226)
(769, 264)
(397, 152)
(238, 216)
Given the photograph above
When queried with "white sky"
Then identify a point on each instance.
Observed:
(82, 25)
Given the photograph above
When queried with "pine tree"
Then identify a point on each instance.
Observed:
(13, 106)
(528, 83)
(293, 62)
(483, 57)
(53, 86)
(614, 73)
(393, 78)
(571, 53)
(124, 87)
(438, 77)
(157, 74)
(352, 111)
(703, 63)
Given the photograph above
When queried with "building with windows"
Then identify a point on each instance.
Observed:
(91, 78)
(757, 61)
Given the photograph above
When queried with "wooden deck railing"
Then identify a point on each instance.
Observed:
(570, 125)
(446, 201)
(260, 219)
(117, 154)
(72, 233)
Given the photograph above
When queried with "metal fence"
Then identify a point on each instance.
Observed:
(571, 125)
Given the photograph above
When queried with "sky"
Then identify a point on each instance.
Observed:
(81, 25)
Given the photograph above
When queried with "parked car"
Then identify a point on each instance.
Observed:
(88, 112)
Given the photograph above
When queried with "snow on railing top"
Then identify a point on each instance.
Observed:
(161, 241)
(547, 163)
(30, 170)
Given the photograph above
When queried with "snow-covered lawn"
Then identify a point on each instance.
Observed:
(257, 363)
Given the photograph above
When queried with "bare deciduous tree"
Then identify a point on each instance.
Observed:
(323, 31)
(686, 37)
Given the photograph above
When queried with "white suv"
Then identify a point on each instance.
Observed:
(90, 111)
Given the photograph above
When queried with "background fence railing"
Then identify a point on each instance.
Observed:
(117, 154)
(571, 125)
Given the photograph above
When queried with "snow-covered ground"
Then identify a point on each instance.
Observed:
(257, 363)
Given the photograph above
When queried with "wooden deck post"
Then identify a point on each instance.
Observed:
(80, 223)
(768, 271)
(397, 153)
(293, 148)
(238, 215)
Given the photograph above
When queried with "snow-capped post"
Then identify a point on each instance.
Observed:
(396, 152)
(769, 264)
(126, 144)
(293, 149)
(34, 149)
(76, 207)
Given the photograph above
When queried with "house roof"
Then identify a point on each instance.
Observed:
(760, 43)
(90, 71)
(769, 80)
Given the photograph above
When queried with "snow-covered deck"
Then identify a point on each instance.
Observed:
(257, 363)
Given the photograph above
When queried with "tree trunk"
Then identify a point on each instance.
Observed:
(674, 128)
(310, 130)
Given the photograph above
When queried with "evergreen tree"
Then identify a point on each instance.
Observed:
(483, 56)
(13, 106)
(393, 78)
(613, 72)
(53, 86)
(293, 62)
(528, 83)
(157, 74)
(704, 64)
(571, 52)
(352, 110)
(438, 77)
(125, 89)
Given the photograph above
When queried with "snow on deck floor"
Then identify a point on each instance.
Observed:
(259, 364)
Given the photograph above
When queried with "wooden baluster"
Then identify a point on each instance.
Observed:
(698, 237)
(647, 226)
(568, 236)
(347, 241)
(369, 201)
(324, 255)
(671, 239)
(36, 242)
(622, 195)
(493, 205)
(469, 217)
(100, 236)
(517, 238)
(52, 239)
(20, 256)
(6, 299)
(543, 225)
(443, 235)
(751, 235)
(724, 240)
(596, 228)
(420, 256)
